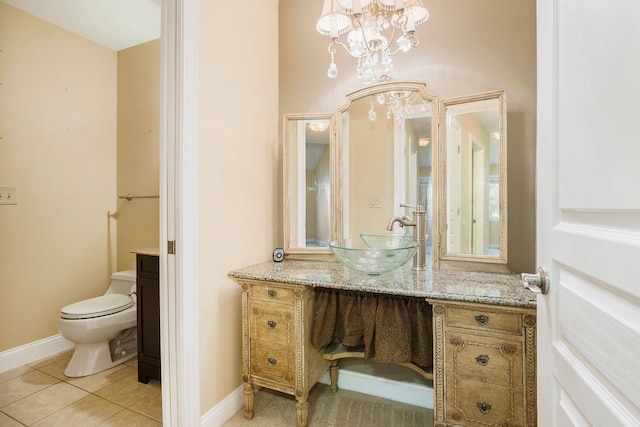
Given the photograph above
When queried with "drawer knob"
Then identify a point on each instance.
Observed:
(484, 407)
(271, 361)
(271, 293)
(482, 360)
(482, 319)
(271, 324)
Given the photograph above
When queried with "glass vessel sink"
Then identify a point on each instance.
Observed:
(374, 254)
(388, 241)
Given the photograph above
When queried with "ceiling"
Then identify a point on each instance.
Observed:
(115, 24)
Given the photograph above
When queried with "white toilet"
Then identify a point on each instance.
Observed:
(103, 329)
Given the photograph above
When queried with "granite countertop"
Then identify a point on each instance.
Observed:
(152, 252)
(492, 288)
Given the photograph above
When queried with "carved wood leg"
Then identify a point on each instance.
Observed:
(333, 375)
(249, 393)
(302, 408)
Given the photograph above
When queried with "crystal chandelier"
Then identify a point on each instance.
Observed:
(372, 27)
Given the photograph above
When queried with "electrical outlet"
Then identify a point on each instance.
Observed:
(8, 195)
(375, 201)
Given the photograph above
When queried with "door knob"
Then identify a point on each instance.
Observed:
(537, 283)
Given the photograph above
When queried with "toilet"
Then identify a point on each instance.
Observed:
(103, 329)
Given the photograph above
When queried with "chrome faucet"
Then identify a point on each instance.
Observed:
(418, 223)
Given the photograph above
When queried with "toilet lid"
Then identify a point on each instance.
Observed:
(96, 307)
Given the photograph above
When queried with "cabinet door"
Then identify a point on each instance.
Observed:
(484, 380)
(148, 321)
(483, 359)
(485, 405)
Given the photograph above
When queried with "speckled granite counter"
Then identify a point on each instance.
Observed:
(151, 252)
(491, 288)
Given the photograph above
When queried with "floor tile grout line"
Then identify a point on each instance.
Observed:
(114, 415)
(66, 380)
(30, 394)
(145, 415)
(12, 418)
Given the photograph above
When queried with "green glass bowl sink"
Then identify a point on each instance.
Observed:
(375, 257)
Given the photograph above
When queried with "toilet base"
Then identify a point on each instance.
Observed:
(92, 358)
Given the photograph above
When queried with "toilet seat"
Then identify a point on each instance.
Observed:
(97, 307)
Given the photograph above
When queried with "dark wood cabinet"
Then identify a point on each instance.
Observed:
(148, 294)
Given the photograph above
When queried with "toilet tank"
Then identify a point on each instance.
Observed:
(122, 282)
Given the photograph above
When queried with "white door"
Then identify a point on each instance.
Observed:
(588, 210)
(179, 305)
(478, 199)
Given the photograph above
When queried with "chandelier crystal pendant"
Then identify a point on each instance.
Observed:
(373, 27)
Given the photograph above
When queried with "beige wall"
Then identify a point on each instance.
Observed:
(57, 145)
(467, 46)
(238, 176)
(138, 149)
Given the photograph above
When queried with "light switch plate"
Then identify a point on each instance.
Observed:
(8, 195)
(375, 201)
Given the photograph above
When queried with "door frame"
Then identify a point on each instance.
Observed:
(179, 306)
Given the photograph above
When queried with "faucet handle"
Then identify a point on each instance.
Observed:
(417, 208)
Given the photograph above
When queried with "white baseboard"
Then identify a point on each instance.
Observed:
(224, 410)
(399, 391)
(28, 353)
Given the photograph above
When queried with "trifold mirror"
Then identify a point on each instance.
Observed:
(308, 165)
(395, 143)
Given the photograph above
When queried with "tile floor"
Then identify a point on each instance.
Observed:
(39, 394)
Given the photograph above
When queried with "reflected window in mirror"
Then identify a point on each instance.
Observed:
(307, 147)
(415, 165)
(317, 228)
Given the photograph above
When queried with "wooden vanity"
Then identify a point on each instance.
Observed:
(484, 354)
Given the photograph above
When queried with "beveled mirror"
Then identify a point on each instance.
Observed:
(473, 185)
(384, 157)
(308, 146)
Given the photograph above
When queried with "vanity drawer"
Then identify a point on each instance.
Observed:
(272, 322)
(478, 319)
(480, 405)
(273, 361)
(272, 294)
(484, 359)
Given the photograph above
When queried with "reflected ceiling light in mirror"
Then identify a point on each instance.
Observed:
(318, 127)
(373, 26)
(423, 142)
(397, 103)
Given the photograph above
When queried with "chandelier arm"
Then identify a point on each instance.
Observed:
(414, 43)
(402, 21)
(388, 47)
(391, 53)
(337, 42)
(357, 24)
(393, 30)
